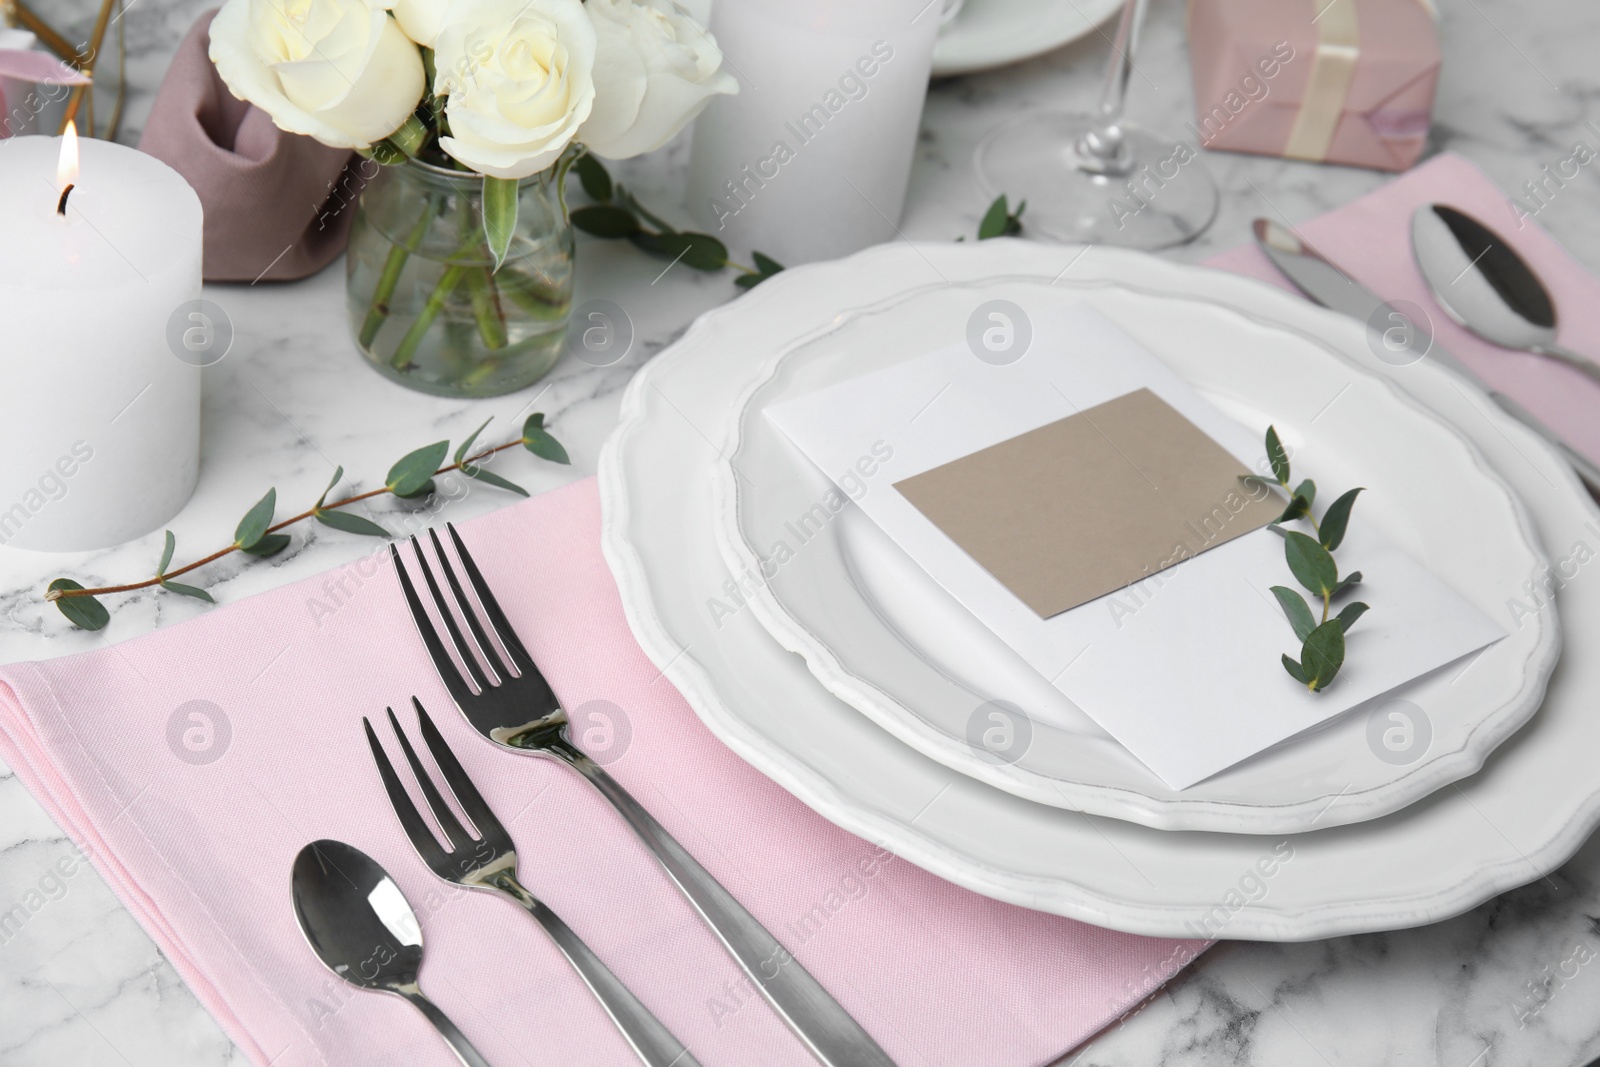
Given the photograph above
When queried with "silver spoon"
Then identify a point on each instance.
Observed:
(363, 930)
(1483, 284)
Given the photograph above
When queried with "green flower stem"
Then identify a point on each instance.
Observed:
(63, 594)
(378, 312)
(486, 309)
(542, 302)
(430, 310)
(564, 166)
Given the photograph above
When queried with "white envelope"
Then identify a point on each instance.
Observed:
(1183, 668)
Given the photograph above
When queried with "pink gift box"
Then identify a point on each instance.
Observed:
(1346, 81)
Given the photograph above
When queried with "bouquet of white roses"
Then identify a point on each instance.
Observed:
(501, 88)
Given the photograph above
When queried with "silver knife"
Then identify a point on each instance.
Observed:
(1326, 284)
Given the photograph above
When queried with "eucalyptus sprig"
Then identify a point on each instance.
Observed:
(617, 214)
(1310, 560)
(411, 477)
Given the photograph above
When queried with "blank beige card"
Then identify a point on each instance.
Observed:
(1091, 503)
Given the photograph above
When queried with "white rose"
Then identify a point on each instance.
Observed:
(518, 80)
(337, 70)
(421, 19)
(655, 70)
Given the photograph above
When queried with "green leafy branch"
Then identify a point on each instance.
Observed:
(1311, 562)
(411, 477)
(616, 214)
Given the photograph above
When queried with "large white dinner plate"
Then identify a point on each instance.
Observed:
(995, 33)
(1534, 802)
(885, 638)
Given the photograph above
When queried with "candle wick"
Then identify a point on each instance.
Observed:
(61, 205)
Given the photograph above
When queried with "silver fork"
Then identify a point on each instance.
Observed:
(506, 699)
(489, 862)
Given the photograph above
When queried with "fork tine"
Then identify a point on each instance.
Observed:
(491, 606)
(490, 653)
(411, 822)
(472, 802)
(441, 602)
(454, 832)
(449, 673)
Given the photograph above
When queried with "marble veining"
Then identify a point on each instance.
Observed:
(1514, 982)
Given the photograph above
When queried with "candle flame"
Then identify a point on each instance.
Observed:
(67, 168)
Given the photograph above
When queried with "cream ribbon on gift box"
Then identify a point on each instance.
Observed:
(1333, 68)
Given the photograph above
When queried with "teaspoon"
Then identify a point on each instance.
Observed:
(363, 930)
(1484, 285)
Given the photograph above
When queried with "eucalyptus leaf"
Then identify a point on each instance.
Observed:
(412, 473)
(499, 216)
(536, 439)
(1313, 567)
(466, 446)
(491, 478)
(1347, 618)
(1345, 586)
(994, 220)
(337, 474)
(187, 590)
(420, 491)
(605, 220)
(253, 527)
(1295, 670)
(269, 545)
(1307, 489)
(1336, 519)
(700, 251)
(766, 267)
(166, 554)
(349, 523)
(593, 176)
(1295, 607)
(84, 612)
(1298, 506)
(1323, 654)
(1277, 456)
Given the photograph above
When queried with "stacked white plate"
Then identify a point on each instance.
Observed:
(1332, 832)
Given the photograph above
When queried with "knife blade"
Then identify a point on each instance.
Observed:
(1327, 285)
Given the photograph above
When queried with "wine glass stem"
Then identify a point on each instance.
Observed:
(1103, 149)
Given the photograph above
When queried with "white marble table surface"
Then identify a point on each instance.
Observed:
(80, 983)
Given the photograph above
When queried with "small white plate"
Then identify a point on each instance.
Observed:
(1531, 806)
(886, 639)
(996, 33)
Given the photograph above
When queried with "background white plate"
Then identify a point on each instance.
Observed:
(1532, 805)
(996, 33)
(883, 637)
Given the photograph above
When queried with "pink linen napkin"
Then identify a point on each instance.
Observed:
(1370, 239)
(277, 205)
(193, 763)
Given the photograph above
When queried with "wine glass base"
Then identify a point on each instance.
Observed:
(1160, 196)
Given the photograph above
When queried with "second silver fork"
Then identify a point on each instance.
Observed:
(489, 861)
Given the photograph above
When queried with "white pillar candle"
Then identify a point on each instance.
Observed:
(99, 419)
(811, 159)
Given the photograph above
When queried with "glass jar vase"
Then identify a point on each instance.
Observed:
(427, 307)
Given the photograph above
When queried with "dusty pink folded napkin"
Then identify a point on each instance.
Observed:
(277, 205)
(1370, 239)
(195, 821)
